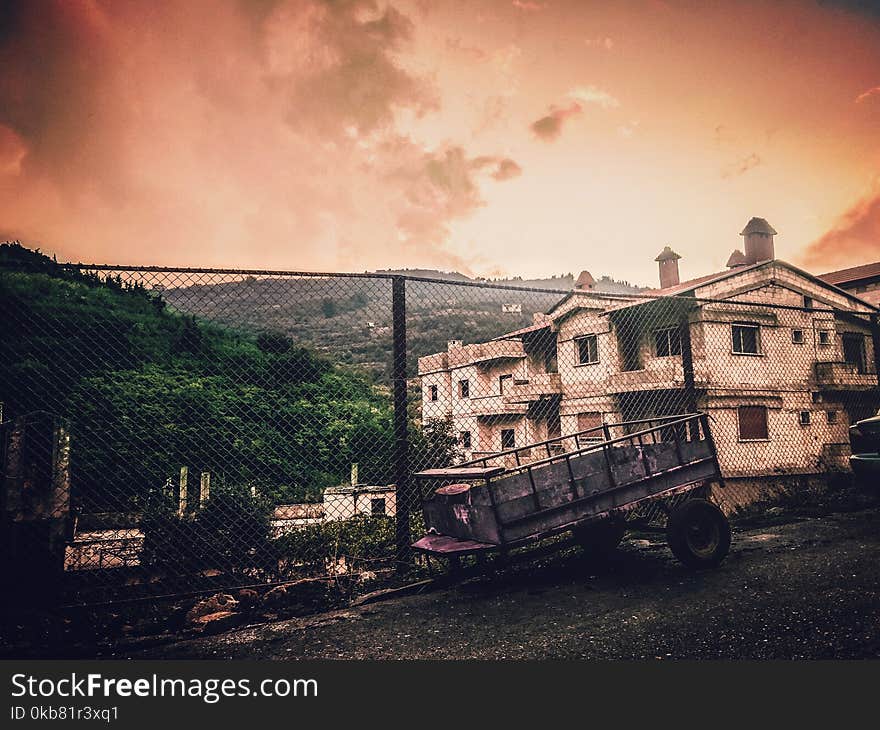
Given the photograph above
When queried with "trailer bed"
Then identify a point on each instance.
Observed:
(482, 506)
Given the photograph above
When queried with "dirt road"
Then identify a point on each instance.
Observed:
(808, 589)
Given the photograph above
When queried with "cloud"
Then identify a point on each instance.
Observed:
(865, 95)
(593, 95)
(549, 126)
(863, 7)
(854, 238)
(502, 168)
(507, 169)
(606, 43)
(258, 134)
(740, 167)
(528, 6)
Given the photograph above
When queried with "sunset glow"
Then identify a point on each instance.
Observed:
(494, 138)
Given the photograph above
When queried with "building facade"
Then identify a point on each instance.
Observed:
(782, 361)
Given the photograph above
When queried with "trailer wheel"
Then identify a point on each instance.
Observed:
(600, 539)
(698, 534)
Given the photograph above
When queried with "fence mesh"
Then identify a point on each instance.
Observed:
(167, 431)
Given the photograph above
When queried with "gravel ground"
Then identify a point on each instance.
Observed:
(807, 589)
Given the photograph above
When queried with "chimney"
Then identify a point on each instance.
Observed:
(737, 258)
(585, 281)
(668, 260)
(453, 345)
(758, 241)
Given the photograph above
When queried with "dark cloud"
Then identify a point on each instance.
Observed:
(255, 129)
(854, 239)
(549, 126)
(864, 7)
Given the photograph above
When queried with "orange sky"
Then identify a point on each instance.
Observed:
(522, 137)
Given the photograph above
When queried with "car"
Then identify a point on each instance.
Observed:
(864, 438)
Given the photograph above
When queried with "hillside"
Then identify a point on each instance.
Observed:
(349, 319)
(148, 390)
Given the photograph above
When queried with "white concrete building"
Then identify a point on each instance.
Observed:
(781, 361)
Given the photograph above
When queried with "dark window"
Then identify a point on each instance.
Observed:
(854, 350)
(588, 349)
(591, 420)
(503, 380)
(745, 339)
(464, 388)
(824, 337)
(804, 418)
(808, 302)
(464, 439)
(797, 336)
(753, 423)
(667, 342)
(832, 416)
(377, 506)
(508, 439)
(433, 392)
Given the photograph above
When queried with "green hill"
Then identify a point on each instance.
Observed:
(148, 390)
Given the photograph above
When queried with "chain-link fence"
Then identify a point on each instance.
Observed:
(169, 431)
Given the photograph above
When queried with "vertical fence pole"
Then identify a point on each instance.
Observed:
(875, 342)
(204, 488)
(687, 362)
(401, 435)
(181, 496)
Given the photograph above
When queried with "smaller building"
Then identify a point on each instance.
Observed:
(512, 308)
(345, 502)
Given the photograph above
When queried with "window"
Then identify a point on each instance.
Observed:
(808, 302)
(745, 339)
(752, 423)
(464, 388)
(832, 416)
(824, 337)
(667, 342)
(433, 392)
(797, 337)
(591, 420)
(508, 439)
(588, 349)
(804, 418)
(464, 438)
(503, 382)
(377, 506)
(854, 351)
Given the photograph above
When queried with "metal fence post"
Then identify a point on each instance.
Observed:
(687, 361)
(401, 434)
(875, 342)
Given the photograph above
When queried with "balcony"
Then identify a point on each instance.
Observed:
(536, 387)
(658, 374)
(485, 352)
(493, 405)
(844, 376)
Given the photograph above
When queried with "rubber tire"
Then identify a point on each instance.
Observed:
(698, 521)
(599, 540)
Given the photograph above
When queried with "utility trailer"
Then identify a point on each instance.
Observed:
(587, 483)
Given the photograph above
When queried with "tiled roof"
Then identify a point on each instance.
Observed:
(855, 273)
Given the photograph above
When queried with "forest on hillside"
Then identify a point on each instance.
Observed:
(148, 389)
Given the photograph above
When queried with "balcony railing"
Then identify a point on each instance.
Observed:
(536, 387)
(845, 375)
(494, 405)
